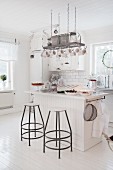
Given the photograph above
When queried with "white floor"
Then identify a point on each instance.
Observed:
(17, 155)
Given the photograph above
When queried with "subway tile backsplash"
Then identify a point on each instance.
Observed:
(75, 77)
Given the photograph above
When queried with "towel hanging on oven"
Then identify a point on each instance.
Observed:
(90, 112)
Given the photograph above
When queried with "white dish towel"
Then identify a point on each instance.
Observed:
(100, 124)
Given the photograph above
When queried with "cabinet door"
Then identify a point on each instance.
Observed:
(36, 68)
(55, 63)
(52, 63)
(74, 62)
(80, 62)
(66, 63)
(69, 63)
(59, 64)
(36, 43)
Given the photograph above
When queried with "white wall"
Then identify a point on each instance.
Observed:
(21, 74)
(21, 68)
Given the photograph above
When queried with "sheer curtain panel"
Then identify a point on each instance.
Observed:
(8, 51)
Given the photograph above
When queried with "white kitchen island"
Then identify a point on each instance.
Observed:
(81, 130)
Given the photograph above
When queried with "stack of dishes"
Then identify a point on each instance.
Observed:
(71, 92)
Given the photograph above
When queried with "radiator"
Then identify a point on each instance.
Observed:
(6, 100)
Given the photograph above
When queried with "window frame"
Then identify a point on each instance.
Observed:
(93, 56)
(10, 67)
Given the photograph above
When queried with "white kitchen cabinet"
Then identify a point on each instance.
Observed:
(74, 62)
(64, 64)
(80, 65)
(77, 62)
(59, 64)
(36, 43)
(53, 64)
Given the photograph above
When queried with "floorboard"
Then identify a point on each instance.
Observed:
(17, 155)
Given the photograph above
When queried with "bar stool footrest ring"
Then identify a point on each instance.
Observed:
(55, 148)
(54, 138)
(32, 124)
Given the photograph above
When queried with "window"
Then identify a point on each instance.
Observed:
(98, 50)
(8, 54)
(6, 67)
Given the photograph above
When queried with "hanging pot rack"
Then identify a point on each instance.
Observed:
(61, 46)
(62, 41)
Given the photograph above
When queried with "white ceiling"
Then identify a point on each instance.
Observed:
(24, 16)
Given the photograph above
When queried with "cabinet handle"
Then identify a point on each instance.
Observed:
(66, 63)
(58, 69)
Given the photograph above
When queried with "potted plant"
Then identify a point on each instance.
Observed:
(3, 78)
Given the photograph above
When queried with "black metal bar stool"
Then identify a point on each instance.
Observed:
(58, 133)
(32, 126)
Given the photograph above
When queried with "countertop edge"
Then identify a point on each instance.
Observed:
(90, 97)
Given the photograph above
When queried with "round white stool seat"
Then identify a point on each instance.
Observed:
(30, 126)
(31, 104)
(57, 109)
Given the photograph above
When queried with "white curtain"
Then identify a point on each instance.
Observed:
(8, 51)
